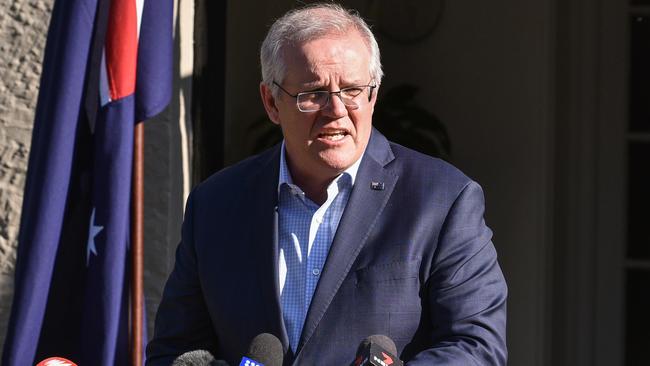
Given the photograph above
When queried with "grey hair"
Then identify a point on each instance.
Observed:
(309, 23)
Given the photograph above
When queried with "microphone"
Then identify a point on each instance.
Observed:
(265, 350)
(198, 358)
(377, 350)
(56, 361)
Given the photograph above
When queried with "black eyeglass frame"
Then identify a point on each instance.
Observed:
(329, 94)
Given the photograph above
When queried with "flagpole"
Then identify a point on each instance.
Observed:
(137, 250)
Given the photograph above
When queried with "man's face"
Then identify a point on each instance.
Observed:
(324, 143)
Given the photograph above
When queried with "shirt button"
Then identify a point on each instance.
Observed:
(315, 271)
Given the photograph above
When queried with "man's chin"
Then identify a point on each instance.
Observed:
(336, 162)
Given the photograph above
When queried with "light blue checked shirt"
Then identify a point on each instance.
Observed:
(305, 233)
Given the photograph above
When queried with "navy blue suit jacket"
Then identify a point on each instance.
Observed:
(413, 261)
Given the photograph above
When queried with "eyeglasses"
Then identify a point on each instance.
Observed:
(313, 101)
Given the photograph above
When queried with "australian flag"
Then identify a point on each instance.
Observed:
(107, 66)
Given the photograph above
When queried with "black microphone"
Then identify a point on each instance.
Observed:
(198, 358)
(265, 350)
(377, 350)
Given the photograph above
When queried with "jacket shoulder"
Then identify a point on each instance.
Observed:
(414, 166)
(235, 175)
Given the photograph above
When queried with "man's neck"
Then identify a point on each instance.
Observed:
(315, 188)
(313, 182)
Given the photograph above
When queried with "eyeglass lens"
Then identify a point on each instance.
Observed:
(317, 100)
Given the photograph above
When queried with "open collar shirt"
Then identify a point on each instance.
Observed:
(305, 234)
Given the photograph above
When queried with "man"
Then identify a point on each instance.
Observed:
(337, 234)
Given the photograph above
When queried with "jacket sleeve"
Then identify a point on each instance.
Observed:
(182, 321)
(466, 290)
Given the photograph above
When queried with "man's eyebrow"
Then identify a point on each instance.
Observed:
(313, 85)
(354, 83)
(316, 84)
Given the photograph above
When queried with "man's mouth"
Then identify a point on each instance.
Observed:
(333, 136)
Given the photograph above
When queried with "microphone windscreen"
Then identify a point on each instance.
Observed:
(377, 350)
(266, 349)
(382, 341)
(198, 358)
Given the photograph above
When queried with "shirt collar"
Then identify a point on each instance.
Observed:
(285, 174)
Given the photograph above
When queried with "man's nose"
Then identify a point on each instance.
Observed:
(336, 107)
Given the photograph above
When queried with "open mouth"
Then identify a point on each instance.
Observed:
(333, 136)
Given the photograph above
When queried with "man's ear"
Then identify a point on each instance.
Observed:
(269, 103)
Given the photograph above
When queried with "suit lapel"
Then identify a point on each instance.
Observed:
(363, 208)
(264, 245)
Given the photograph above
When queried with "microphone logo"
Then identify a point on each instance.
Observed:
(245, 361)
(385, 362)
(56, 361)
(358, 361)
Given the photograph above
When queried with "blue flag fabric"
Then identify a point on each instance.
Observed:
(72, 271)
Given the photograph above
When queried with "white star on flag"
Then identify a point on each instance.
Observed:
(93, 230)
